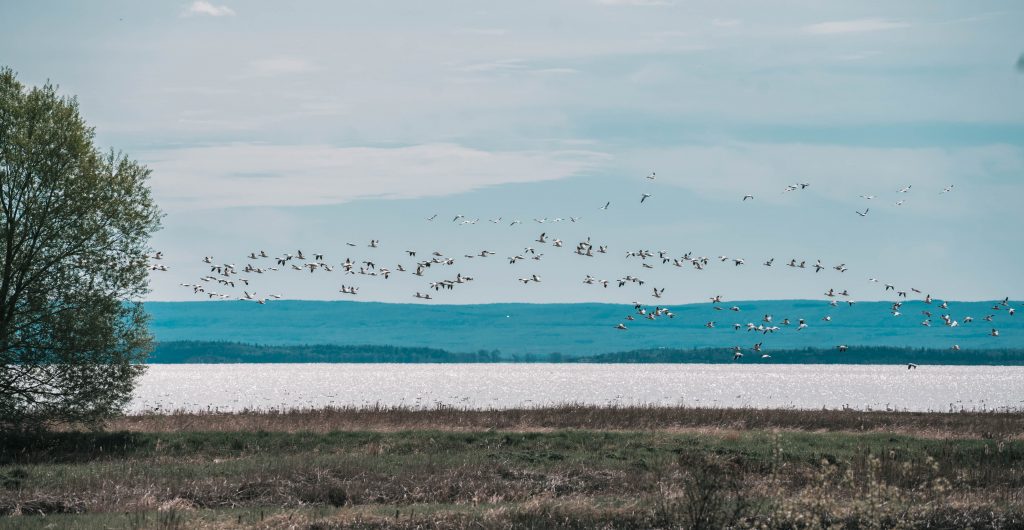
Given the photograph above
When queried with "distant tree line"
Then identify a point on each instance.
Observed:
(177, 352)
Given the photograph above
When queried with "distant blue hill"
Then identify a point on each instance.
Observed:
(579, 329)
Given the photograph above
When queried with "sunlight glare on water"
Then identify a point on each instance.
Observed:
(231, 387)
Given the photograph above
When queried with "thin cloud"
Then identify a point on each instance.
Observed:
(862, 25)
(634, 2)
(503, 65)
(482, 31)
(725, 22)
(300, 175)
(201, 7)
(555, 71)
(282, 65)
(838, 172)
(858, 56)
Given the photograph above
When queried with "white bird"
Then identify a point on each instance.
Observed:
(651, 176)
(745, 197)
(864, 213)
(904, 190)
(644, 197)
(606, 205)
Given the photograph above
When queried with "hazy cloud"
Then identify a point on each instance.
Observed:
(837, 172)
(725, 22)
(555, 71)
(634, 2)
(201, 7)
(300, 175)
(482, 31)
(282, 65)
(494, 66)
(862, 25)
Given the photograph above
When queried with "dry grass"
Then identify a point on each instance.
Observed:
(561, 467)
(981, 425)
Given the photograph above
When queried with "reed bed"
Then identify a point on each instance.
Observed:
(965, 424)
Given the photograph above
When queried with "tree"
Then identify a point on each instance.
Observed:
(74, 230)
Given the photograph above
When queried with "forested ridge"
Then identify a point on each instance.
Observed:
(174, 352)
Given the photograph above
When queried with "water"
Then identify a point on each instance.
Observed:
(230, 387)
(578, 329)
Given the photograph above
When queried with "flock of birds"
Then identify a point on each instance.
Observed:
(237, 281)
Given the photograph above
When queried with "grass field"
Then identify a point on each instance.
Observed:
(568, 467)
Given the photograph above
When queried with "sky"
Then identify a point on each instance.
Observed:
(310, 125)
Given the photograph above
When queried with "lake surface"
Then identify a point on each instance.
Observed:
(231, 387)
(577, 329)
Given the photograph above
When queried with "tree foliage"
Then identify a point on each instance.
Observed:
(74, 229)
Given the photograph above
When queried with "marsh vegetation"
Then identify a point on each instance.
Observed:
(570, 467)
